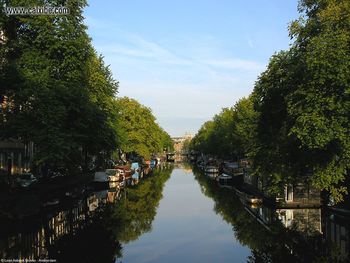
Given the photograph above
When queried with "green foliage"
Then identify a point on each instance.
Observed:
(300, 122)
(244, 127)
(304, 101)
(203, 140)
(144, 136)
(59, 93)
(230, 134)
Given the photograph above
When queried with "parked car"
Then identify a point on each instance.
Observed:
(26, 179)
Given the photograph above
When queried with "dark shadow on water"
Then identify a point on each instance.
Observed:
(90, 229)
(280, 235)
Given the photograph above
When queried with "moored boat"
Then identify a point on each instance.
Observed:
(113, 175)
(211, 169)
(125, 171)
(212, 175)
(224, 177)
(100, 177)
(248, 197)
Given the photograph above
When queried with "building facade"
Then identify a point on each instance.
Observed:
(15, 156)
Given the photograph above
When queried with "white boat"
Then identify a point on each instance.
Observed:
(113, 175)
(224, 177)
(212, 175)
(100, 177)
(211, 169)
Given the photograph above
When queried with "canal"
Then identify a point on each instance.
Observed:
(175, 214)
(186, 228)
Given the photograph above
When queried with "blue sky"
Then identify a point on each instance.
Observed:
(187, 59)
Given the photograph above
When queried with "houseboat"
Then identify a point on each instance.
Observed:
(211, 169)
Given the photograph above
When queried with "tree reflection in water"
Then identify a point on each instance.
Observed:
(262, 230)
(118, 223)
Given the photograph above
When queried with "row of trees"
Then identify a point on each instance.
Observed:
(143, 135)
(57, 92)
(296, 121)
(230, 134)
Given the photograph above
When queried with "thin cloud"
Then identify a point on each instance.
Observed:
(235, 64)
(138, 47)
(147, 49)
(194, 84)
(250, 43)
(126, 51)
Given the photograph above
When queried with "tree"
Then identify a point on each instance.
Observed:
(202, 141)
(143, 134)
(303, 100)
(320, 106)
(299, 124)
(58, 92)
(244, 127)
(230, 134)
(274, 148)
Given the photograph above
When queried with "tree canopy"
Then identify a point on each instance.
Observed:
(296, 121)
(57, 92)
(231, 132)
(56, 88)
(144, 136)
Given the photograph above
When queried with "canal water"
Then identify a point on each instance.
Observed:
(175, 214)
(186, 228)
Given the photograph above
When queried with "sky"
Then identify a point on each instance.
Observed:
(188, 59)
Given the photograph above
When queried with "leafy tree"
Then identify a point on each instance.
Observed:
(202, 142)
(320, 106)
(223, 145)
(299, 124)
(304, 102)
(273, 145)
(230, 134)
(58, 92)
(244, 127)
(143, 134)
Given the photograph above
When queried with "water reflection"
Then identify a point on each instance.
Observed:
(106, 226)
(186, 229)
(89, 228)
(281, 234)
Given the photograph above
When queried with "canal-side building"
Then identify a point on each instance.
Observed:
(15, 156)
(304, 220)
(336, 229)
(299, 194)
